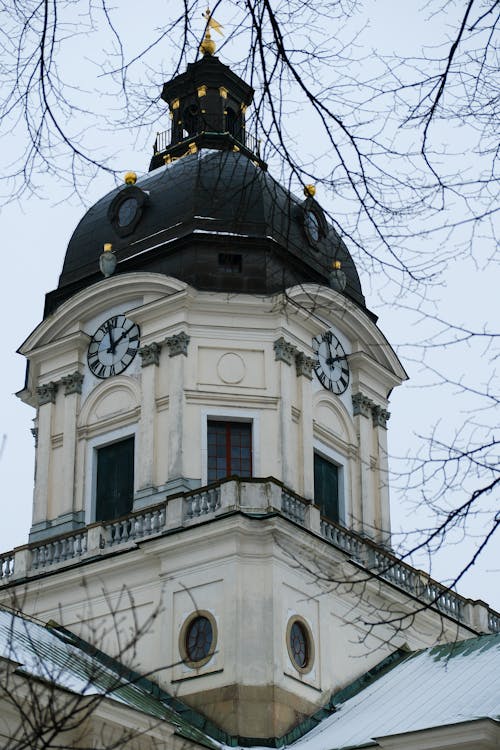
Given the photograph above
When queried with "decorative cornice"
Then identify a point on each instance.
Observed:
(361, 404)
(283, 351)
(304, 365)
(150, 354)
(380, 416)
(72, 383)
(47, 393)
(178, 344)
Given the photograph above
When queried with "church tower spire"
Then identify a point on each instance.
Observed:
(207, 107)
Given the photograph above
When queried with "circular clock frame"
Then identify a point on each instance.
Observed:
(113, 347)
(331, 366)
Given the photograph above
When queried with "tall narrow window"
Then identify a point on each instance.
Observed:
(115, 480)
(326, 487)
(229, 450)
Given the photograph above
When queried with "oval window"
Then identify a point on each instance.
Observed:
(300, 644)
(198, 638)
(127, 212)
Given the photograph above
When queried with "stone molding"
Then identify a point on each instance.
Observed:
(283, 351)
(178, 344)
(150, 354)
(47, 393)
(380, 416)
(364, 406)
(34, 432)
(72, 383)
(361, 405)
(304, 365)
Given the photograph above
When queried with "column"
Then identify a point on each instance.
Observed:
(46, 395)
(285, 354)
(304, 369)
(145, 470)
(177, 350)
(72, 388)
(380, 418)
(363, 510)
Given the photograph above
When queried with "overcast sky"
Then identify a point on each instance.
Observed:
(35, 234)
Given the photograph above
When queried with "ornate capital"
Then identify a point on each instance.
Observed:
(72, 383)
(47, 393)
(283, 351)
(380, 416)
(178, 344)
(304, 365)
(361, 404)
(150, 354)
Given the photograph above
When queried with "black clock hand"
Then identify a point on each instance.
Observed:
(336, 359)
(329, 360)
(122, 336)
(112, 344)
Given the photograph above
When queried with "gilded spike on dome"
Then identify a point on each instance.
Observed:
(208, 46)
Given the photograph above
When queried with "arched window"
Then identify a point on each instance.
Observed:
(232, 126)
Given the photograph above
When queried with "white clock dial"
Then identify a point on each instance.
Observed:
(331, 363)
(113, 346)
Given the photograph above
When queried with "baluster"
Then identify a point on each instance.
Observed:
(212, 500)
(161, 518)
(196, 505)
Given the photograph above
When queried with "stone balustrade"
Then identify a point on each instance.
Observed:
(257, 496)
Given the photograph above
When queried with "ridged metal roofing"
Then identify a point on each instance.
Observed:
(54, 656)
(450, 684)
(444, 685)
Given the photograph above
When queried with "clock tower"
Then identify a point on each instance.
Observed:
(211, 395)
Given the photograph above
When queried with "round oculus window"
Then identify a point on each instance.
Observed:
(127, 211)
(312, 226)
(198, 640)
(300, 644)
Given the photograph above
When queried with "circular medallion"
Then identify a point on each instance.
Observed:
(231, 368)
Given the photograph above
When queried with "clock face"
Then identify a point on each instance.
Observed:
(113, 346)
(331, 363)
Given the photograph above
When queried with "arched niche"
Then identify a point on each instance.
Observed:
(111, 402)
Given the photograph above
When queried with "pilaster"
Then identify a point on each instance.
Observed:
(72, 388)
(46, 396)
(177, 348)
(304, 368)
(284, 354)
(145, 470)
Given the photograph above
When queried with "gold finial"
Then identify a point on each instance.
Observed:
(108, 247)
(337, 265)
(130, 178)
(309, 191)
(207, 47)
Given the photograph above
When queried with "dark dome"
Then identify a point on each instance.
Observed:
(214, 219)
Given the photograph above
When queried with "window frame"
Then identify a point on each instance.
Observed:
(230, 415)
(338, 460)
(92, 449)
